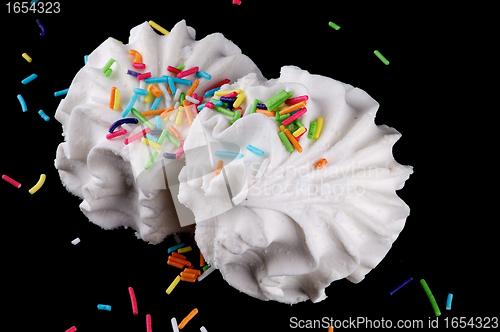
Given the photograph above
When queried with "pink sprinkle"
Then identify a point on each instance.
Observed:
(136, 136)
(173, 70)
(71, 329)
(188, 72)
(296, 100)
(231, 95)
(210, 105)
(139, 65)
(134, 301)
(116, 134)
(148, 323)
(11, 181)
(236, 2)
(294, 117)
(180, 152)
(144, 76)
(218, 85)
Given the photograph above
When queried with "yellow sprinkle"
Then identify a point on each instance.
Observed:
(151, 143)
(282, 128)
(26, 57)
(179, 118)
(319, 126)
(148, 97)
(185, 249)
(117, 40)
(226, 92)
(38, 185)
(173, 284)
(238, 100)
(299, 131)
(117, 100)
(159, 28)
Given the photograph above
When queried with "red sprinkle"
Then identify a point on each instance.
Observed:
(11, 181)
(210, 105)
(296, 100)
(218, 85)
(148, 323)
(139, 65)
(71, 329)
(173, 70)
(135, 310)
(144, 76)
(188, 72)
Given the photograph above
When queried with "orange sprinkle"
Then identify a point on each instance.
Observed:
(153, 112)
(188, 275)
(330, 329)
(188, 109)
(155, 90)
(180, 261)
(293, 107)
(184, 278)
(193, 87)
(292, 140)
(218, 169)
(193, 271)
(185, 102)
(202, 259)
(171, 263)
(321, 163)
(188, 318)
(174, 132)
(137, 55)
(176, 254)
(266, 112)
(112, 98)
(166, 113)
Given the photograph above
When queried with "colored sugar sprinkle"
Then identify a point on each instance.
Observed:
(131, 292)
(104, 307)
(23, 103)
(448, 301)
(26, 57)
(11, 181)
(255, 150)
(38, 185)
(188, 318)
(29, 78)
(61, 92)
(381, 57)
(43, 115)
(431, 297)
(333, 25)
(159, 28)
(401, 285)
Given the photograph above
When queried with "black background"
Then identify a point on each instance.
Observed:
(48, 283)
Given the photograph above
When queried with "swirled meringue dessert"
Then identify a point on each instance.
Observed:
(288, 182)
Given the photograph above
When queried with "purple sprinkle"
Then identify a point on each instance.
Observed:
(122, 121)
(400, 285)
(156, 132)
(262, 106)
(133, 73)
(169, 155)
(227, 99)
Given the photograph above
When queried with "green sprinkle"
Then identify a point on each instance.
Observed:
(431, 297)
(292, 127)
(206, 267)
(333, 25)
(107, 65)
(142, 119)
(298, 123)
(254, 106)
(172, 139)
(312, 129)
(182, 97)
(151, 159)
(277, 100)
(224, 111)
(237, 115)
(285, 141)
(180, 67)
(162, 136)
(381, 57)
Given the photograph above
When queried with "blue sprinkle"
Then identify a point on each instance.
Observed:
(181, 81)
(29, 78)
(140, 91)
(177, 246)
(161, 79)
(156, 103)
(130, 105)
(448, 301)
(122, 121)
(255, 150)
(151, 138)
(210, 93)
(203, 74)
(61, 93)
(400, 285)
(262, 106)
(228, 154)
(43, 115)
(171, 85)
(23, 103)
(227, 99)
(200, 107)
(169, 155)
(103, 307)
(158, 122)
(85, 58)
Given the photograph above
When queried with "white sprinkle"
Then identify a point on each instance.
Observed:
(191, 99)
(203, 329)
(76, 241)
(262, 168)
(174, 325)
(206, 273)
